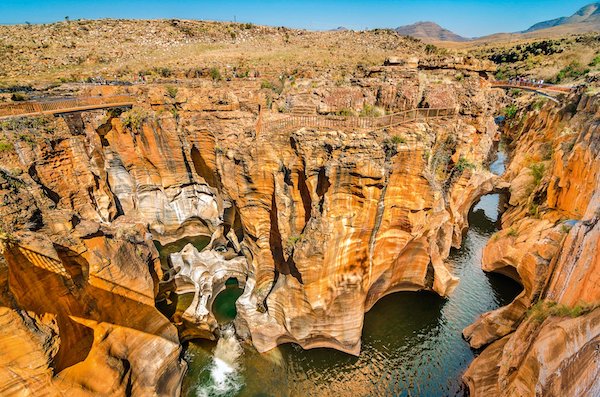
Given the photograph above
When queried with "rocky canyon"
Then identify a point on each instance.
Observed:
(317, 188)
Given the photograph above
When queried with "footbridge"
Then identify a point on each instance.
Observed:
(63, 106)
(547, 90)
(296, 121)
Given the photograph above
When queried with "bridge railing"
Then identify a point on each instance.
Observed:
(534, 86)
(64, 105)
(353, 122)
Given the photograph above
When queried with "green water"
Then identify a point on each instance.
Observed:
(224, 304)
(200, 242)
(411, 344)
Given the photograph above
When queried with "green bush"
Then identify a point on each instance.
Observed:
(537, 171)
(510, 111)
(215, 74)
(163, 71)
(370, 111)
(398, 139)
(266, 84)
(172, 92)
(501, 74)
(134, 118)
(571, 72)
(464, 164)
(544, 309)
(538, 104)
(293, 240)
(512, 232)
(18, 97)
(523, 52)
(6, 146)
(534, 210)
(595, 61)
(430, 49)
(346, 112)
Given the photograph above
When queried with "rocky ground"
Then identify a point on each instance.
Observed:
(316, 225)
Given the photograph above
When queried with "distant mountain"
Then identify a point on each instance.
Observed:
(429, 31)
(339, 29)
(588, 15)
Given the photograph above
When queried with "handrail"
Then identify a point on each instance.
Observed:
(534, 86)
(298, 121)
(33, 108)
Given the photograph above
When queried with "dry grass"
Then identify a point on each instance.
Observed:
(121, 49)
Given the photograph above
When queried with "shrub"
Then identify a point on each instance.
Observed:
(430, 49)
(398, 139)
(459, 76)
(464, 164)
(370, 111)
(595, 61)
(501, 74)
(163, 71)
(544, 309)
(215, 74)
(346, 112)
(537, 171)
(390, 148)
(510, 111)
(6, 146)
(18, 97)
(547, 151)
(512, 232)
(534, 210)
(266, 84)
(537, 105)
(134, 118)
(293, 240)
(172, 92)
(572, 71)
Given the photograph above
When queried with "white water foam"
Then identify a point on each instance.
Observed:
(225, 376)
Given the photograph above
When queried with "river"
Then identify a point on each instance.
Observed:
(411, 346)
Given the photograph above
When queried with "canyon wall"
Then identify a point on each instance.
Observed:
(315, 225)
(546, 342)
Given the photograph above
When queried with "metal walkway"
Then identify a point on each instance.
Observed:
(342, 122)
(60, 106)
(540, 88)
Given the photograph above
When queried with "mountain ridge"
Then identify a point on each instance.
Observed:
(589, 14)
(429, 31)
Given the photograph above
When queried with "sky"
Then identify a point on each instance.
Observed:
(469, 18)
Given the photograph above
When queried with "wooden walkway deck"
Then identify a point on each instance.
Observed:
(295, 121)
(60, 106)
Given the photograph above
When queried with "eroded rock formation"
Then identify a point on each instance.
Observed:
(549, 243)
(315, 225)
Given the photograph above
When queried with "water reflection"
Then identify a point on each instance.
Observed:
(412, 343)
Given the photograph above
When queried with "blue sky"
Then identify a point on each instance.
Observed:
(465, 17)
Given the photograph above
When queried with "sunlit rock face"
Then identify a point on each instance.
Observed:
(90, 315)
(204, 274)
(315, 225)
(343, 223)
(549, 243)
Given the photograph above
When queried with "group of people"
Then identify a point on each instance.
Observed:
(525, 81)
